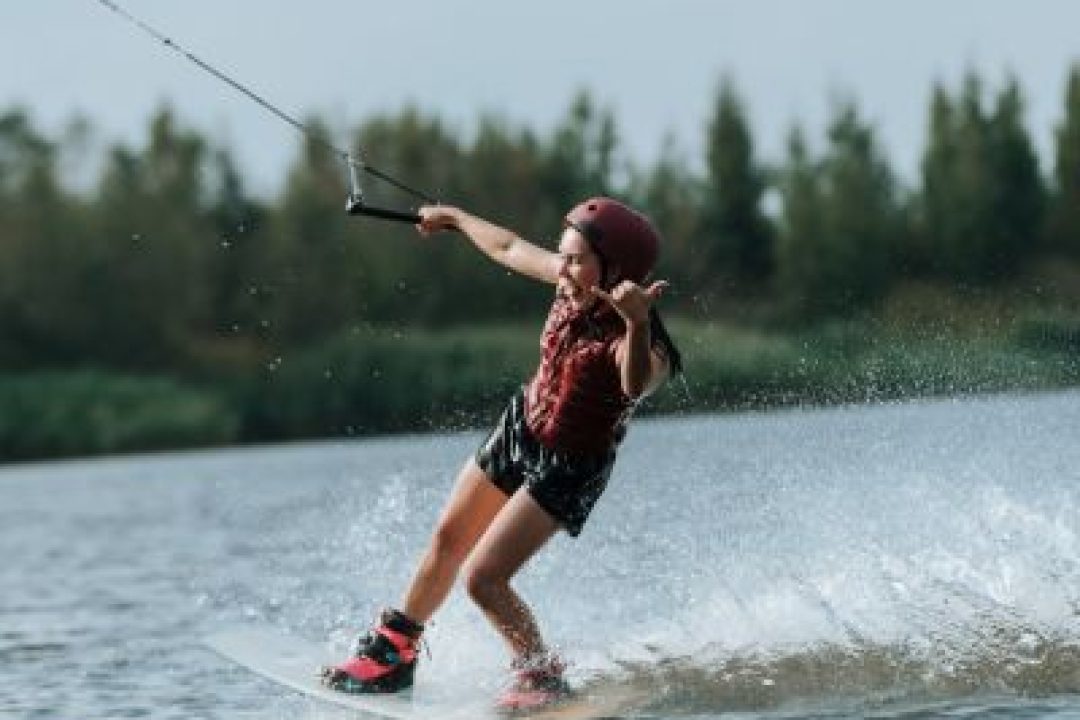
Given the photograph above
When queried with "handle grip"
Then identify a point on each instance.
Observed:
(356, 206)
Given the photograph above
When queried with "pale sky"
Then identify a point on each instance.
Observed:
(656, 63)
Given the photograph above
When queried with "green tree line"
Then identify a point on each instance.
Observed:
(166, 265)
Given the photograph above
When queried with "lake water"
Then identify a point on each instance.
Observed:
(900, 561)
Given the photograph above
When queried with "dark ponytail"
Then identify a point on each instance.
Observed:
(662, 340)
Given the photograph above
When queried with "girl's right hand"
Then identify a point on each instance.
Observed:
(436, 218)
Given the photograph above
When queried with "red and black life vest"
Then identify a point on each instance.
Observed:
(575, 401)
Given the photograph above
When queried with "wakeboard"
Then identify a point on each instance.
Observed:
(295, 663)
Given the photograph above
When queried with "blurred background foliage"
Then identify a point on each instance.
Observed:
(161, 304)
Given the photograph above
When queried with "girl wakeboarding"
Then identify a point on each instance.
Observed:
(548, 459)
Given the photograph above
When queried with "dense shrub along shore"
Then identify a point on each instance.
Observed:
(382, 381)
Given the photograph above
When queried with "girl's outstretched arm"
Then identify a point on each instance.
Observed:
(498, 243)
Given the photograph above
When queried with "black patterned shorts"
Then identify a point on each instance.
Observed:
(565, 485)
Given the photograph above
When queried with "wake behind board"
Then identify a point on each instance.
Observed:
(295, 663)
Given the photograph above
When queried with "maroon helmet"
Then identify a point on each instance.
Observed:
(625, 240)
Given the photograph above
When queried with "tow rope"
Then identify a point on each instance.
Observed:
(354, 203)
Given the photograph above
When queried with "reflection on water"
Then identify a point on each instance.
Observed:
(915, 560)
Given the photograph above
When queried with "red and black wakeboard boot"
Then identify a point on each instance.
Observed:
(383, 660)
(537, 684)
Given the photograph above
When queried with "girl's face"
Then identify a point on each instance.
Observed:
(579, 269)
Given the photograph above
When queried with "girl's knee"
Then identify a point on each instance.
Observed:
(449, 544)
(481, 583)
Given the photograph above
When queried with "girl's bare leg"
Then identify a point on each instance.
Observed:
(474, 502)
(517, 532)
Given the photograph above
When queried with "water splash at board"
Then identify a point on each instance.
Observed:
(856, 557)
